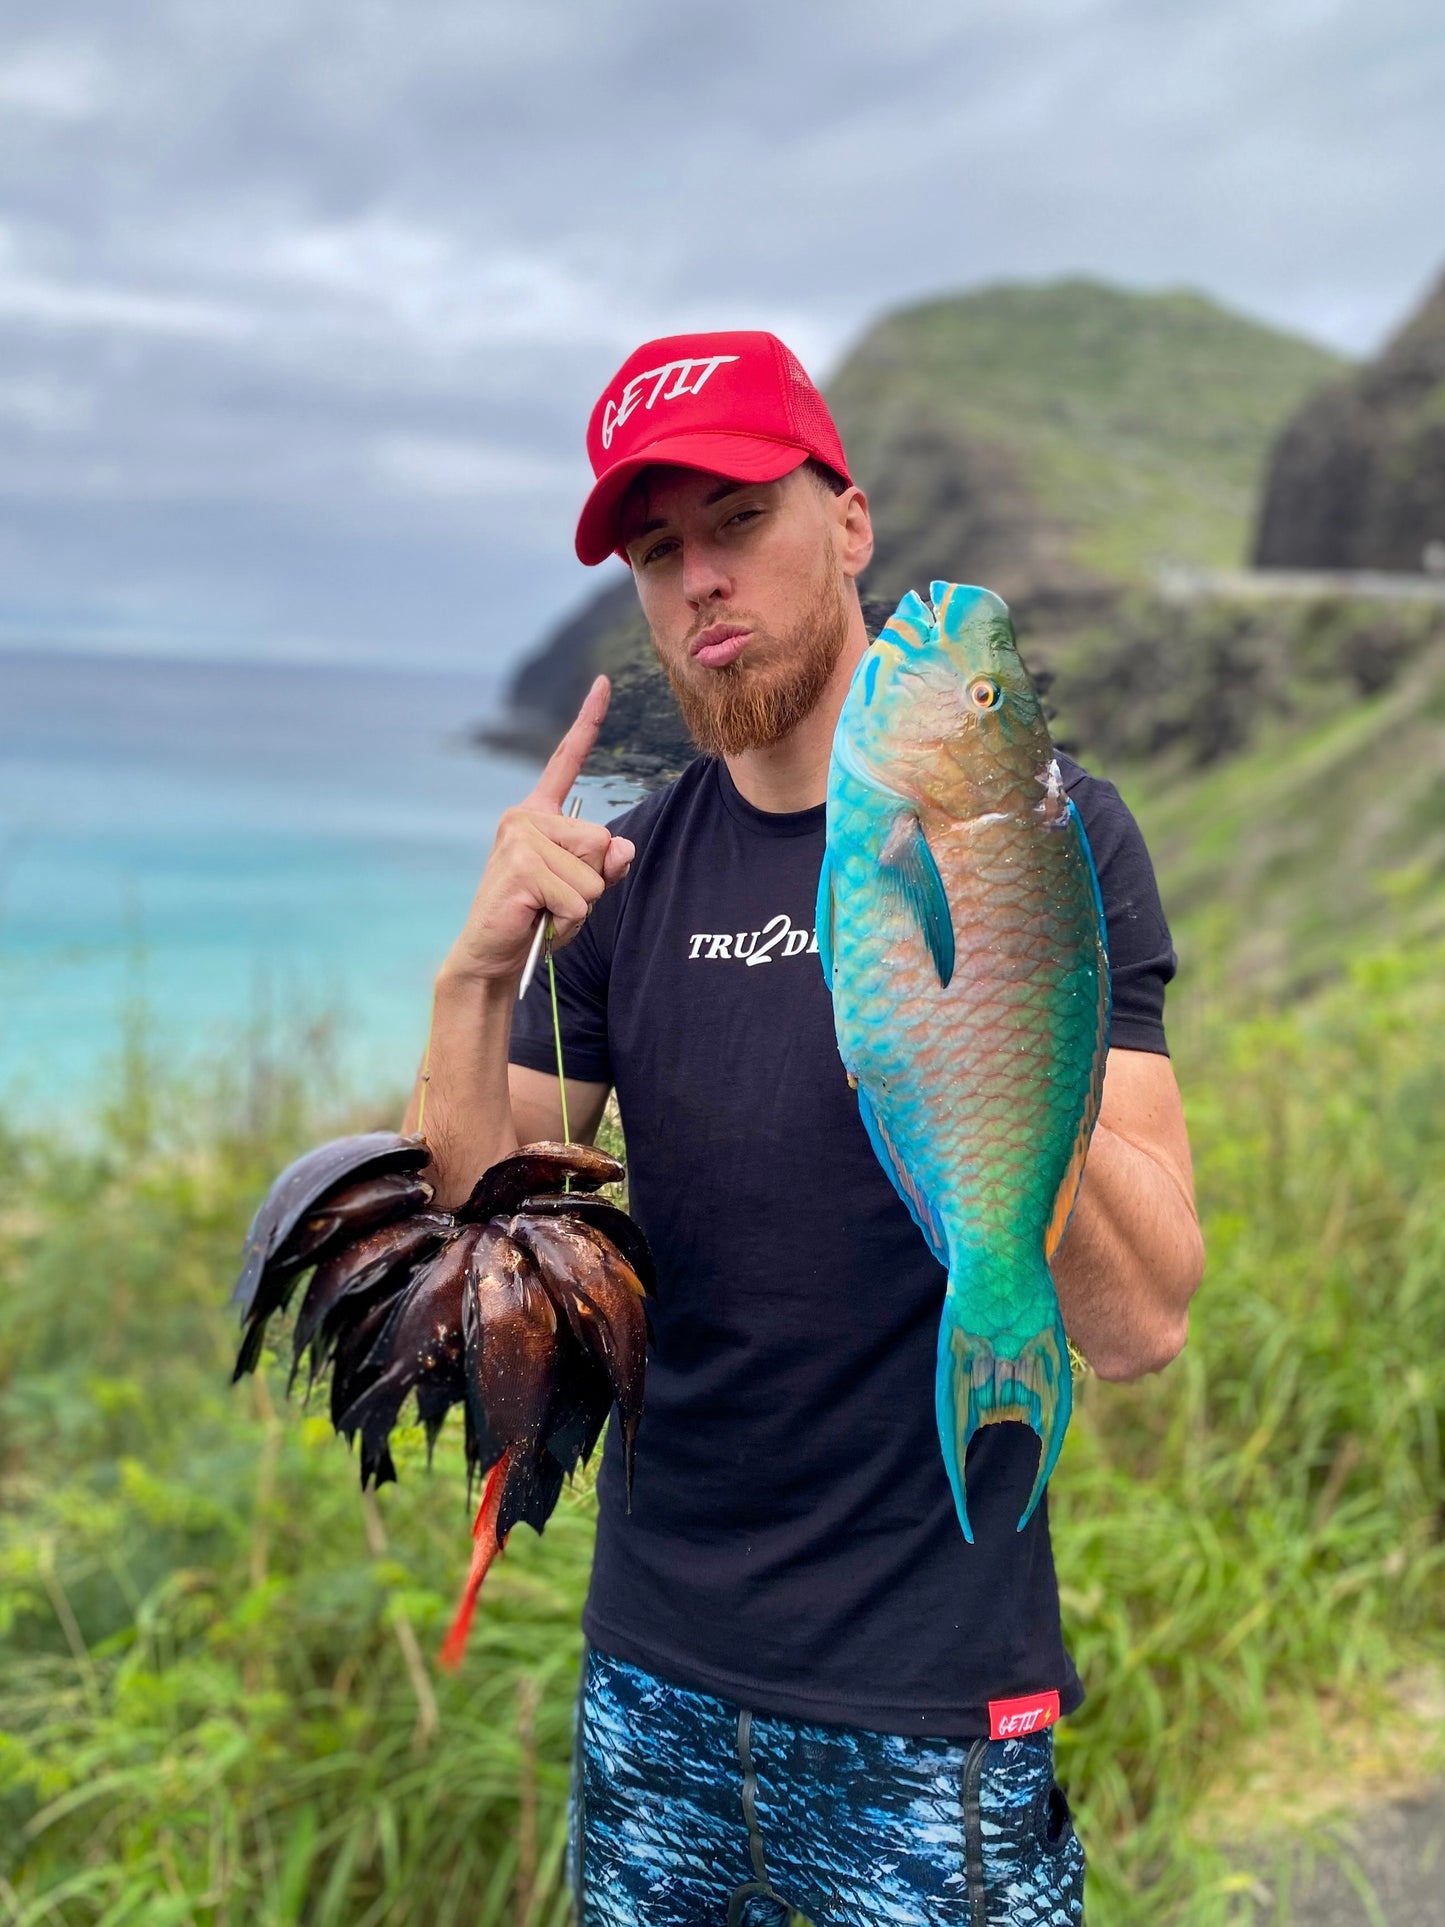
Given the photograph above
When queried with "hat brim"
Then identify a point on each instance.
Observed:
(716, 451)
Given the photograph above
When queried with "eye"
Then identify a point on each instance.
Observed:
(742, 516)
(984, 693)
(658, 551)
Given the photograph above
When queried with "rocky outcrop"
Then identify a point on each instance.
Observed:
(1197, 682)
(1357, 477)
(547, 690)
(953, 507)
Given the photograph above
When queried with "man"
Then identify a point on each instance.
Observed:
(803, 1688)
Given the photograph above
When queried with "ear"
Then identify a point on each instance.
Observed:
(855, 532)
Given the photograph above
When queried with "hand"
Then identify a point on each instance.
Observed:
(542, 863)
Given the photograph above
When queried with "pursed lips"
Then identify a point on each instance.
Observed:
(719, 645)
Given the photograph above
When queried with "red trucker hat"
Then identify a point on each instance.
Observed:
(737, 404)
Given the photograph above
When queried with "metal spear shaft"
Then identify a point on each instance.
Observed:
(529, 969)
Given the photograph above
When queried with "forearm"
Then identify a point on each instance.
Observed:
(466, 1112)
(1130, 1260)
(542, 865)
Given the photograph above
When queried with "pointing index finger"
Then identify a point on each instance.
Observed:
(562, 771)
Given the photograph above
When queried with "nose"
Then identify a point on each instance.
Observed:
(705, 578)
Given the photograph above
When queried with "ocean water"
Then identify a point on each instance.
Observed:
(225, 844)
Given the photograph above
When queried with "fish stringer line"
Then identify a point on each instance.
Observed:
(549, 931)
(425, 1073)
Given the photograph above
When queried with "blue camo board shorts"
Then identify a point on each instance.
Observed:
(690, 1811)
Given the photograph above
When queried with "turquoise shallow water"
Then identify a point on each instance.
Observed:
(222, 840)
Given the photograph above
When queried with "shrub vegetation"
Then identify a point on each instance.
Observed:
(217, 1699)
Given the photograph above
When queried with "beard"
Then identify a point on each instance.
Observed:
(752, 705)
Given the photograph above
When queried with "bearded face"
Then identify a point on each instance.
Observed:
(746, 595)
(777, 681)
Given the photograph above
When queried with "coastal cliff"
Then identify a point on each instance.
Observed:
(1357, 476)
(1059, 443)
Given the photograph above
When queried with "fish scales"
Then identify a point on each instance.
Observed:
(962, 933)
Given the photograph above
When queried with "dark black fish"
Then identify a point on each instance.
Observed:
(600, 1295)
(346, 1214)
(420, 1348)
(352, 1370)
(535, 1393)
(376, 1265)
(510, 1323)
(302, 1186)
(527, 1307)
(538, 1167)
(608, 1218)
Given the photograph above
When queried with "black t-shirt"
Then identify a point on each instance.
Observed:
(793, 1544)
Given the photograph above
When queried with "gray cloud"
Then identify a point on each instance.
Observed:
(302, 305)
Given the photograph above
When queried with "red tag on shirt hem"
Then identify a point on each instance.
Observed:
(1013, 1719)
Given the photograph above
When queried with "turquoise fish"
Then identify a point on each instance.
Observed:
(962, 938)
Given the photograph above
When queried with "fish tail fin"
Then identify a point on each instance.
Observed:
(975, 1387)
(486, 1544)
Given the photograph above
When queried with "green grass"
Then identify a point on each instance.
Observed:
(1253, 1540)
(208, 1683)
(209, 1698)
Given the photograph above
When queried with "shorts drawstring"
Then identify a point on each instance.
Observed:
(759, 1887)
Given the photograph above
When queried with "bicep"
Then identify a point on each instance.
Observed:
(537, 1107)
(1142, 1105)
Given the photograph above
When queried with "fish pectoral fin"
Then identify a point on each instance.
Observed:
(919, 1208)
(908, 865)
(823, 919)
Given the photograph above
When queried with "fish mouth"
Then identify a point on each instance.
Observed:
(720, 644)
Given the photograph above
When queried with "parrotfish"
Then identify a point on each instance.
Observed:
(963, 940)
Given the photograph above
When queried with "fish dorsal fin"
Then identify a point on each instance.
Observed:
(907, 863)
(823, 919)
(956, 604)
(919, 1208)
(911, 628)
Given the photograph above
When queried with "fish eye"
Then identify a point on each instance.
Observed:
(984, 693)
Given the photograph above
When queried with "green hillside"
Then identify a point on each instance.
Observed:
(1057, 443)
(1138, 421)
(1288, 766)
(1311, 847)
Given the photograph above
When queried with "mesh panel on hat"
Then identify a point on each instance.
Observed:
(811, 421)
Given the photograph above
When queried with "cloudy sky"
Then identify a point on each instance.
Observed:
(303, 303)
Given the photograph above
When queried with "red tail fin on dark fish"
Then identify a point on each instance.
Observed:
(485, 1548)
